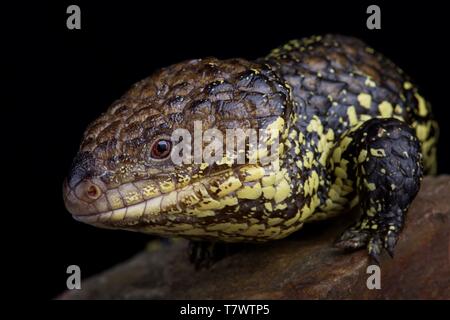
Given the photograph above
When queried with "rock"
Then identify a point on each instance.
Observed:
(302, 266)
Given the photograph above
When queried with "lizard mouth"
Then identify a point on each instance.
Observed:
(150, 211)
(207, 208)
(136, 205)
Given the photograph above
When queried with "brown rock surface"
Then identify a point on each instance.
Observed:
(303, 266)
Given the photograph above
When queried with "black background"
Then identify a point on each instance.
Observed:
(64, 79)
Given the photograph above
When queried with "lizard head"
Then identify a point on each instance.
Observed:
(153, 163)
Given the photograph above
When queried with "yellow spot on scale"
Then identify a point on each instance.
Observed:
(315, 201)
(268, 181)
(268, 192)
(274, 221)
(226, 160)
(315, 126)
(280, 175)
(235, 227)
(337, 153)
(362, 156)
(333, 194)
(371, 186)
(345, 142)
(228, 186)
(306, 212)
(292, 220)
(341, 173)
(288, 144)
(330, 135)
(293, 134)
(274, 129)
(254, 230)
(252, 173)
(314, 181)
(365, 100)
(149, 191)
(187, 197)
(422, 105)
(250, 192)
(167, 186)
(385, 109)
(308, 159)
(370, 83)
(203, 213)
(297, 148)
(210, 204)
(301, 138)
(229, 201)
(131, 197)
(283, 190)
(272, 231)
(423, 130)
(377, 152)
(351, 113)
(407, 85)
(281, 206)
(371, 212)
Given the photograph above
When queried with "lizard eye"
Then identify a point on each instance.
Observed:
(160, 149)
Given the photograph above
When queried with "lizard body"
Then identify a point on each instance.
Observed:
(352, 129)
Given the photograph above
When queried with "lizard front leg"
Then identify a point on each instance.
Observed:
(387, 167)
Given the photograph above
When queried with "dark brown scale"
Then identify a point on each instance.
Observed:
(221, 94)
(332, 64)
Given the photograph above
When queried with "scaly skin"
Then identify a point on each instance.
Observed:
(353, 131)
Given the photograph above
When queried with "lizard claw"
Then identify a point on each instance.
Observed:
(375, 240)
(352, 238)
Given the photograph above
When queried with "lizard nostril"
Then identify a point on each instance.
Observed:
(93, 192)
(87, 197)
(88, 191)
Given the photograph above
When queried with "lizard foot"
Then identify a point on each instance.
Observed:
(374, 240)
(203, 254)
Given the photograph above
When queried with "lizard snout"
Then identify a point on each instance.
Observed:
(83, 192)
